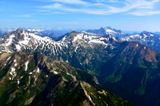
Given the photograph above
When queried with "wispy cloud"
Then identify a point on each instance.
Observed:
(63, 8)
(79, 2)
(145, 13)
(104, 7)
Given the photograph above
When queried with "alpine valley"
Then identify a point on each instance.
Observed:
(100, 67)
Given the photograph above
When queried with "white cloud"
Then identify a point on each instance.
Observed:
(80, 2)
(132, 7)
(63, 8)
(53, 6)
(145, 13)
(136, 5)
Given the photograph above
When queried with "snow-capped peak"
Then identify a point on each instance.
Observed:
(34, 30)
(29, 34)
(103, 31)
(22, 40)
(110, 31)
(87, 39)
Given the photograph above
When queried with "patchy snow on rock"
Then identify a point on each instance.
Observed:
(26, 65)
(110, 31)
(25, 41)
(67, 61)
(75, 50)
(15, 63)
(77, 37)
(21, 77)
(90, 39)
(151, 35)
(34, 30)
(38, 70)
(18, 47)
(9, 40)
(97, 41)
(10, 78)
(55, 72)
(18, 82)
(14, 60)
(30, 73)
(8, 58)
(35, 78)
(13, 72)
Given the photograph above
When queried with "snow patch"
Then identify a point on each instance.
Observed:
(13, 72)
(26, 65)
(18, 47)
(8, 58)
(38, 70)
(151, 35)
(75, 50)
(110, 31)
(78, 36)
(18, 82)
(46, 76)
(55, 72)
(9, 40)
(30, 73)
(97, 41)
(15, 62)
(10, 78)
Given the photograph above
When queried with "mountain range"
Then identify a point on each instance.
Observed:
(150, 39)
(89, 68)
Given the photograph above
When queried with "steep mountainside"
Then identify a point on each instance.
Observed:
(135, 72)
(147, 38)
(35, 80)
(127, 68)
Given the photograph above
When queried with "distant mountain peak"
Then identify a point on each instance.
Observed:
(106, 31)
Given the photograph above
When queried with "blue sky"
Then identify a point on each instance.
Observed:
(128, 15)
